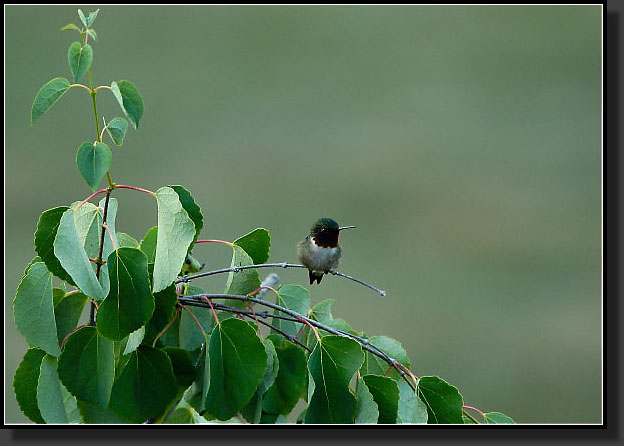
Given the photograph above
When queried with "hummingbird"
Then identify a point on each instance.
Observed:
(319, 251)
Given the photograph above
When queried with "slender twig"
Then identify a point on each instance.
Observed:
(476, 410)
(260, 314)
(300, 318)
(80, 85)
(121, 186)
(470, 416)
(99, 257)
(273, 265)
(101, 191)
(195, 318)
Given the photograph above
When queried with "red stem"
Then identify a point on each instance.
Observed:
(256, 318)
(73, 331)
(213, 241)
(101, 191)
(193, 316)
(121, 186)
(212, 308)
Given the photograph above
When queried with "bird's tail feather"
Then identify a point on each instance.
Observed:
(315, 276)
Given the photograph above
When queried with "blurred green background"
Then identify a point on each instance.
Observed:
(464, 143)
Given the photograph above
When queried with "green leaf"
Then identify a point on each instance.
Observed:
(67, 312)
(31, 263)
(164, 311)
(291, 378)
(497, 418)
(25, 384)
(411, 407)
(252, 412)
(332, 364)
(191, 337)
(244, 281)
(175, 233)
(134, 340)
(257, 244)
(295, 298)
(130, 303)
(238, 361)
(185, 414)
(47, 96)
(386, 394)
(91, 18)
(91, 32)
(199, 390)
(88, 219)
(467, 420)
(116, 129)
(183, 368)
(367, 409)
(93, 162)
(130, 100)
(70, 26)
(45, 234)
(444, 402)
(82, 18)
(127, 241)
(79, 58)
(374, 365)
(33, 309)
(192, 209)
(321, 312)
(148, 244)
(94, 415)
(87, 366)
(69, 250)
(145, 386)
(56, 404)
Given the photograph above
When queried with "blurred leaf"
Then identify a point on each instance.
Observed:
(79, 58)
(87, 366)
(93, 161)
(367, 409)
(70, 26)
(91, 32)
(130, 100)
(116, 129)
(175, 233)
(91, 18)
(130, 303)
(199, 390)
(257, 244)
(185, 414)
(33, 309)
(238, 362)
(444, 402)
(332, 364)
(47, 96)
(145, 386)
(70, 252)
(321, 312)
(83, 19)
(25, 384)
(497, 418)
(56, 404)
(386, 394)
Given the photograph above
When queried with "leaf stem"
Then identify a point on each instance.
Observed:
(164, 330)
(101, 191)
(82, 86)
(121, 186)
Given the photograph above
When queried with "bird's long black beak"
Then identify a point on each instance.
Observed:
(345, 227)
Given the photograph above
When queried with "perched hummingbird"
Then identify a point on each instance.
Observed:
(319, 251)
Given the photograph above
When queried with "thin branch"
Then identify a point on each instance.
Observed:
(99, 257)
(122, 186)
(300, 318)
(273, 265)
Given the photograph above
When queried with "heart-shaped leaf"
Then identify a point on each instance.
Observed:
(79, 58)
(116, 129)
(93, 161)
(130, 100)
(47, 96)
